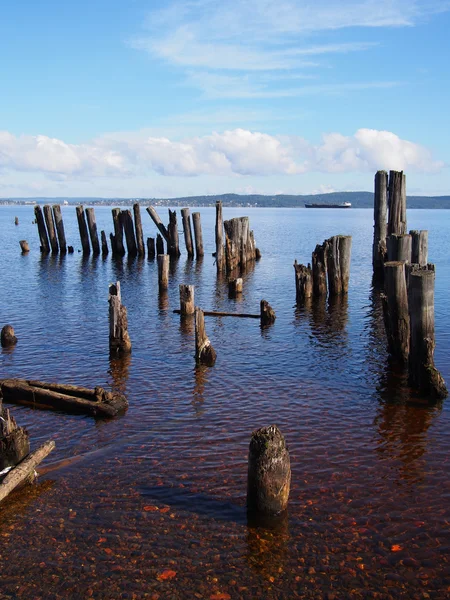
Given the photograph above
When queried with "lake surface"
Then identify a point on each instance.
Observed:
(154, 505)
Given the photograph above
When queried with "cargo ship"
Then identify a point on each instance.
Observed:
(342, 205)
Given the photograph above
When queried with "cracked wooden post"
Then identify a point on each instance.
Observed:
(397, 203)
(303, 282)
(380, 224)
(59, 224)
(220, 250)
(105, 249)
(187, 305)
(187, 232)
(173, 241)
(128, 227)
(93, 233)
(267, 313)
(151, 248)
(119, 340)
(84, 236)
(235, 287)
(423, 375)
(419, 247)
(48, 215)
(399, 247)
(43, 237)
(395, 310)
(24, 246)
(14, 440)
(338, 253)
(118, 248)
(319, 270)
(7, 336)
(199, 252)
(204, 352)
(269, 472)
(163, 271)
(138, 227)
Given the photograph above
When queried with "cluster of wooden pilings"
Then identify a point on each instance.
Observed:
(401, 260)
(329, 273)
(51, 230)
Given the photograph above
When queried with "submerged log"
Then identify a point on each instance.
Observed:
(187, 232)
(380, 224)
(14, 440)
(204, 352)
(173, 244)
(157, 221)
(338, 254)
(43, 237)
(419, 247)
(24, 471)
(397, 203)
(217, 313)
(24, 246)
(93, 233)
(399, 247)
(395, 310)
(119, 340)
(51, 228)
(7, 336)
(319, 270)
(118, 249)
(269, 472)
(59, 224)
(138, 227)
(199, 252)
(220, 250)
(267, 313)
(84, 236)
(187, 306)
(303, 282)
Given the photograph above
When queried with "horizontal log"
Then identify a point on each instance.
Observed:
(214, 313)
(24, 470)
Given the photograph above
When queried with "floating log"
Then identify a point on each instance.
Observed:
(204, 352)
(187, 306)
(235, 287)
(163, 271)
(319, 270)
(24, 471)
(93, 234)
(159, 244)
(105, 249)
(7, 336)
(267, 313)
(139, 231)
(59, 224)
(151, 248)
(97, 402)
(157, 221)
(399, 247)
(24, 246)
(118, 248)
(303, 282)
(14, 440)
(419, 247)
(395, 310)
(43, 237)
(397, 203)
(84, 236)
(48, 215)
(269, 472)
(173, 245)
(423, 374)
(220, 250)
(130, 238)
(119, 340)
(199, 252)
(380, 227)
(338, 263)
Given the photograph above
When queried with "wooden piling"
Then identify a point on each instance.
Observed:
(395, 310)
(380, 224)
(119, 339)
(239, 244)
(105, 250)
(163, 271)
(130, 238)
(269, 472)
(204, 352)
(338, 263)
(319, 270)
(84, 236)
(14, 440)
(423, 374)
(139, 231)
(157, 221)
(187, 305)
(419, 247)
(399, 247)
(159, 244)
(220, 250)
(7, 336)
(303, 282)
(199, 252)
(235, 287)
(92, 227)
(151, 248)
(59, 224)
(118, 248)
(16, 220)
(43, 237)
(187, 230)
(24, 246)
(48, 215)
(267, 313)
(173, 244)
(397, 203)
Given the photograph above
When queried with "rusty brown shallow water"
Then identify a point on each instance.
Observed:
(155, 504)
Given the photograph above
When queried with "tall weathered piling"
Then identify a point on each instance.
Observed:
(128, 227)
(319, 270)
(187, 305)
(43, 237)
(204, 352)
(163, 271)
(59, 224)
(419, 247)
(84, 236)
(187, 230)
(118, 248)
(338, 263)
(423, 374)
(397, 203)
(151, 248)
(105, 250)
(48, 215)
(199, 252)
(303, 282)
(380, 223)
(239, 244)
(220, 250)
(159, 244)
(119, 339)
(269, 472)
(93, 233)
(399, 247)
(395, 310)
(172, 230)
(139, 231)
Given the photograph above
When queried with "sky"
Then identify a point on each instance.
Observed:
(150, 98)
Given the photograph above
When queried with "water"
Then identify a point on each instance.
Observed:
(154, 505)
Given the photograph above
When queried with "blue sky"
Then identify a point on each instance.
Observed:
(146, 98)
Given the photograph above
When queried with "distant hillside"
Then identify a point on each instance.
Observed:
(357, 199)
